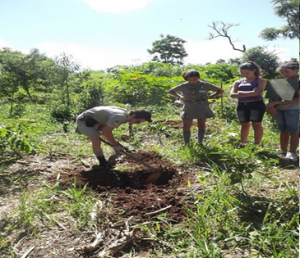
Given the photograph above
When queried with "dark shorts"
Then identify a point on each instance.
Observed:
(251, 111)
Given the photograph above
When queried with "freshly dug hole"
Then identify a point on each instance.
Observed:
(133, 175)
(101, 180)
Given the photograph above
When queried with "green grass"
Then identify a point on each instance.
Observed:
(247, 203)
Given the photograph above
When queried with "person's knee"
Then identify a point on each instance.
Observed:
(95, 140)
(245, 125)
(186, 128)
(257, 126)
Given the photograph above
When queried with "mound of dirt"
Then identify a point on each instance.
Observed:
(127, 192)
(132, 175)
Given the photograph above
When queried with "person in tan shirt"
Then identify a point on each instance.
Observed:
(194, 95)
(103, 120)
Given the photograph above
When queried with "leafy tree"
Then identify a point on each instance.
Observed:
(91, 90)
(216, 73)
(156, 69)
(169, 49)
(234, 61)
(220, 61)
(20, 71)
(66, 67)
(288, 10)
(26, 71)
(136, 88)
(267, 60)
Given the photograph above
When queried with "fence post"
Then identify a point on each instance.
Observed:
(222, 102)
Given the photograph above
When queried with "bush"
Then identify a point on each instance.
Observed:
(14, 138)
(63, 114)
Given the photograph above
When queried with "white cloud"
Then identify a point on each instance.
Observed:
(93, 57)
(100, 58)
(201, 52)
(4, 44)
(117, 6)
(283, 53)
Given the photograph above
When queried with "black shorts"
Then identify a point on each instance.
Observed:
(251, 111)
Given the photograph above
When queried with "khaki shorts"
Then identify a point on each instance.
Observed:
(87, 131)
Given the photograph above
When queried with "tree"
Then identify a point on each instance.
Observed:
(234, 61)
(220, 61)
(267, 60)
(288, 10)
(26, 71)
(169, 49)
(222, 31)
(66, 67)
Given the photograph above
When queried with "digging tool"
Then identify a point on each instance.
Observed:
(152, 177)
(130, 155)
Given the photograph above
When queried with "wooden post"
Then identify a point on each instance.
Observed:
(222, 102)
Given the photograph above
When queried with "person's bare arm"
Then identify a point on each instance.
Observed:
(256, 92)
(108, 135)
(234, 90)
(284, 102)
(216, 94)
(174, 93)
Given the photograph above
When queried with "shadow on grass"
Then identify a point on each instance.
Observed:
(281, 161)
(15, 181)
(254, 209)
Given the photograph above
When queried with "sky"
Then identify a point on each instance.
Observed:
(100, 34)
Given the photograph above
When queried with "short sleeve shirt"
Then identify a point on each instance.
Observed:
(195, 92)
(271, 94)
(112, 116)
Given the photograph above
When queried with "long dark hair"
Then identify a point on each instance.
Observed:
(252, 66)
(293, 65)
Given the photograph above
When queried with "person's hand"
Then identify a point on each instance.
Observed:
(272, 111)
(182, 98)
(118, 148)
(271, 105)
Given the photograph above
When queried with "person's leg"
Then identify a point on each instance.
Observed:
(245, 128)
(243, 114)
(292, 118)
(284, 140)
(294, 142)
(96, 144)
(282, 126)
(187, 124)
(257, 112)
(201, 130)
(258, 132)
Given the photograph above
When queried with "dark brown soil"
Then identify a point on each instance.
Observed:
(131, 196)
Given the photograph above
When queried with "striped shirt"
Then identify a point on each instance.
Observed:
(245, 86)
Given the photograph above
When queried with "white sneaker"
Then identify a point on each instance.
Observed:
(291, 156)
(279, 153)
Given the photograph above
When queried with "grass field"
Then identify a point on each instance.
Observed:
(221, 201)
